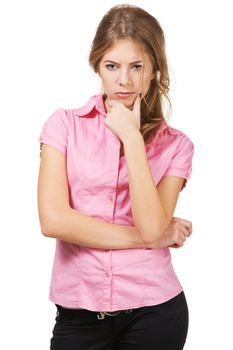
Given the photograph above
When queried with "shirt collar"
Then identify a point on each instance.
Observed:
(96, 102)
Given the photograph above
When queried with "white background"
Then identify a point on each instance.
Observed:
(44, 51)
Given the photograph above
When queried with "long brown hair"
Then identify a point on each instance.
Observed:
(127, 21)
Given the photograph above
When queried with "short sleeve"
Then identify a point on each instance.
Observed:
(55, 131)
(181, 162)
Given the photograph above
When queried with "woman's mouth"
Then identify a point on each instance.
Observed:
(122, 94)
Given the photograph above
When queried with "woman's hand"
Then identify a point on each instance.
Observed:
(121, 120)
(175, 236)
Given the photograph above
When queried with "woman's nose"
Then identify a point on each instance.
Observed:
(124, 78)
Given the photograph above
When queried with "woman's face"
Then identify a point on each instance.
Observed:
(125, 72)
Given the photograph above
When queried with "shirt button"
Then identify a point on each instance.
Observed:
(111, 198)
(108, 274)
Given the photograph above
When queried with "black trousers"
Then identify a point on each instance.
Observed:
(159, 327)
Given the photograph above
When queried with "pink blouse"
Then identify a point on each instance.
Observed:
(100, 279)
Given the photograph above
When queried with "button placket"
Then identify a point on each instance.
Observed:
(113, 164)
(107, 279)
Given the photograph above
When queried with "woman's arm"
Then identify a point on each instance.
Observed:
(59, 220)
(152, 207)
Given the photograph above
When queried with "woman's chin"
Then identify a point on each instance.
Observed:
(127, 102)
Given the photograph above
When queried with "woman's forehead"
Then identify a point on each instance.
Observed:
(126, 49)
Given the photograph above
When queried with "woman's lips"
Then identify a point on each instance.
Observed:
(124, 94)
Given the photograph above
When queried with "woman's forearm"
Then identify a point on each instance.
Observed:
(74, 227)
(147, 210)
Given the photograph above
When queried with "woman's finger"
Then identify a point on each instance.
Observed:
(186, 223)
(137, 106)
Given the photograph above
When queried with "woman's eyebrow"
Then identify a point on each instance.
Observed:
(113, 62)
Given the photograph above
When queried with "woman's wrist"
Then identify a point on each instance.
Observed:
(133, 137)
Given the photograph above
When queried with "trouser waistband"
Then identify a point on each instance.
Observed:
(84, 312)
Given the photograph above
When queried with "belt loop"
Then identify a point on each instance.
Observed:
(101, 316)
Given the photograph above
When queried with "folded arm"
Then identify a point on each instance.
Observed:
(59, 220)
(152, 206)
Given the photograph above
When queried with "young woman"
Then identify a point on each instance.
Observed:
(110, 176)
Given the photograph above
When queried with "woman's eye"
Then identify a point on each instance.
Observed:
(111, 66)
(137, 67)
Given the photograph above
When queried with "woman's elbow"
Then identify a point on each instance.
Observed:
(152, 234)
(148, 238)
(153, 229)
(46, 231)
(48, 225)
